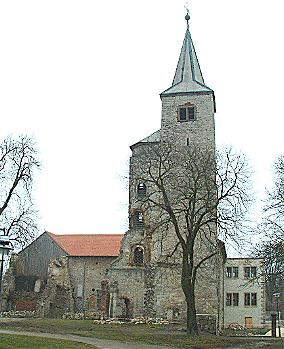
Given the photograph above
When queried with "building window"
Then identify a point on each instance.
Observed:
(232, 299)
(235, 272)
(139, 219)
(250, 299)
(229, 272)
(232, 272)
(235, 299)
(229, 299)
(253, 299)
(141, 190)
(250, 272)
(138, 255)
(186, 114)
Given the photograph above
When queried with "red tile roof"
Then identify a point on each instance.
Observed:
(95, 245)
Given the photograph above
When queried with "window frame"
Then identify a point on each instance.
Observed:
(189, 111)
(138, 220)
(141, 190)
(253, 299)
(250, 272)
(229, 272)
(229, 299)
(235, 299)
(247, 300)
(235, 272)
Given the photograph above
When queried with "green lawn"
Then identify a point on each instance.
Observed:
(161, 334)
(8, 341)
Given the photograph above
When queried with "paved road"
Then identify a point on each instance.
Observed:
(100, 343)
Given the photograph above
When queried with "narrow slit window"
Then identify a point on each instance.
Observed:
(139, 219)
(141, 190)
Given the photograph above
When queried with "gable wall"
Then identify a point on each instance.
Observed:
(34, 259)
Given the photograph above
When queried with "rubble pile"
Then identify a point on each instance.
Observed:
(235, 326)
(134, 321)
(88, 315)
(18, 314)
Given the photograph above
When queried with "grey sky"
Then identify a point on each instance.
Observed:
(84, 78)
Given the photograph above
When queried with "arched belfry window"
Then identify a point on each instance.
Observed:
(141, 190)
(139, 219)
(138, 255)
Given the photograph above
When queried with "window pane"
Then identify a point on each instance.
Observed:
(182, 114)
(235, 299)
(190, 112)
(235, 272)
(247, 272)
(139, 219)
(141, 190)
(229, 272)
(247, 298)
(229, 299)
(253, 272)
(253, 299)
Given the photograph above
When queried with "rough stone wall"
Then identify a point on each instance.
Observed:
(200, 131)
(159, 291)
(56, 298)
(71, 284)
(86, 276)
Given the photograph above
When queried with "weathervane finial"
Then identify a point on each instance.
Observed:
(187, 17)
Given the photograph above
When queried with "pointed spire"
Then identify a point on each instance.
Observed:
(188, 76)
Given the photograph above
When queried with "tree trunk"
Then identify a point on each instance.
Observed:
(191, 320)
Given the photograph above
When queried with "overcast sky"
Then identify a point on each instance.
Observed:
(84, 77)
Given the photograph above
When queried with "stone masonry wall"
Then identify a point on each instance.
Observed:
(200, 131)
(87, 275)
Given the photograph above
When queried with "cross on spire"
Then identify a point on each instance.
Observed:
(187, 16)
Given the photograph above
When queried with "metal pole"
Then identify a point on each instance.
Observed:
(1, 271)
(84, 282)
(278, 315)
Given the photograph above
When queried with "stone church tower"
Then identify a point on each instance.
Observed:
(140, 283)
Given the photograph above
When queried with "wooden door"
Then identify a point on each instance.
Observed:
(248, 322)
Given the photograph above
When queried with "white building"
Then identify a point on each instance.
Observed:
(244, 292)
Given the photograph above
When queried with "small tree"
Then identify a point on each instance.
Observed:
(195, 193)
(18, 161)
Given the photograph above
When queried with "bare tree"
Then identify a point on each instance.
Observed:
(18, 161)
(273, 222)
(272, 232)
(193, 193)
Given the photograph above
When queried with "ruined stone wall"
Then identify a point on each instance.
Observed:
(56, 298)
(86, 277)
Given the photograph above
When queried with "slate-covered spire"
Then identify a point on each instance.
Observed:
(188, 76)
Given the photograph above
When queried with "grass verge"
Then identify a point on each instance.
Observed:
(8, 341)
(159, 335)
